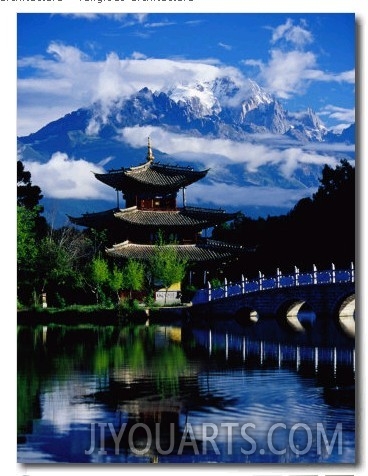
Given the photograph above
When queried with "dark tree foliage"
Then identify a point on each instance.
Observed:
(327, 223)
(29, 197)
(318, 230)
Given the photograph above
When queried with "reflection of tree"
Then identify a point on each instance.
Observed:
(152, 382)
(143, 373)
(46, 355)
(137, 355)
(28, 404)
(169, 365)
(29, 378)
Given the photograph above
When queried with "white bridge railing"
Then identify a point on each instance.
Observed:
(228, 289)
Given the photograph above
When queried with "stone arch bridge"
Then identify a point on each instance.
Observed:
(328, 296)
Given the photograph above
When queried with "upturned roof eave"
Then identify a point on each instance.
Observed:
(94, 218)
(195, 218)
(192, 252)
(132, 179)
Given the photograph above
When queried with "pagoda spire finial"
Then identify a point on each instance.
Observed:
(150, 155)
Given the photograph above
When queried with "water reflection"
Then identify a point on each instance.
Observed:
(166, 394)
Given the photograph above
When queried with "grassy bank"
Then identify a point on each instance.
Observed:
(71, 315)
(98, 315)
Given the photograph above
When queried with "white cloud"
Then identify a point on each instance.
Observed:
(159, 24)
(291, 68)
(63, 177)
(126, 19)
(339, 114)
(68, 55)
(329, 149)
(138, 56)
(345, 76)
(287, 73)
(133, 18)
(340, 127)
(220, 153)
(226, 195)
(298, 35)
(68, 79)
(225, 46)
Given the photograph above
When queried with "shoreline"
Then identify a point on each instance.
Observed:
(99, 316)
(267, 330)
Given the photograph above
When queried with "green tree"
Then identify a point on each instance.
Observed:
(116, 279)
(56, 273)
(167, 267)
(31, 228)
(29, 196)
(99, 275)
(26, 239)
(133, 276)
(27, 253)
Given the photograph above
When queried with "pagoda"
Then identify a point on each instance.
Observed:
(150, 191)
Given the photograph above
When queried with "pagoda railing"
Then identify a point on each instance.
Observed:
(206, 210)
(228, 289)
(174, 166)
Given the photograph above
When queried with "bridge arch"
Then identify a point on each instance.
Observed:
(346, 315)
(296, 314)
(246, 316)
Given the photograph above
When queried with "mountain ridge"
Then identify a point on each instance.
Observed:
(186, 108)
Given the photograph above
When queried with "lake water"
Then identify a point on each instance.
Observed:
(166, 394)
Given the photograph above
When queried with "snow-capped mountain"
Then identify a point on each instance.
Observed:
(259, 142)
(210, 108)
(307, 125)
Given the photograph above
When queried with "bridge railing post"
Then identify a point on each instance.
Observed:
(315, 277)
(242, 284)
(296, 276)
(260, 281)
(278, 278)
(352, 272)
(209, 291)
(333, 274)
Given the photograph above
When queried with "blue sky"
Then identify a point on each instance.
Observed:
(67, 60)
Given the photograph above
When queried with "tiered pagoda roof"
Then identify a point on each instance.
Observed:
(151, 176)
(196, 218)
(206, 251)
(133, 217)
(98, 220)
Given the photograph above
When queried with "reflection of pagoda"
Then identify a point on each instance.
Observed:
(150, 191)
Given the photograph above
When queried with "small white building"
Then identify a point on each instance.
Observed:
(169, 297)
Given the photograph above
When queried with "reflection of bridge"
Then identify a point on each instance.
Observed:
(328, 294)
